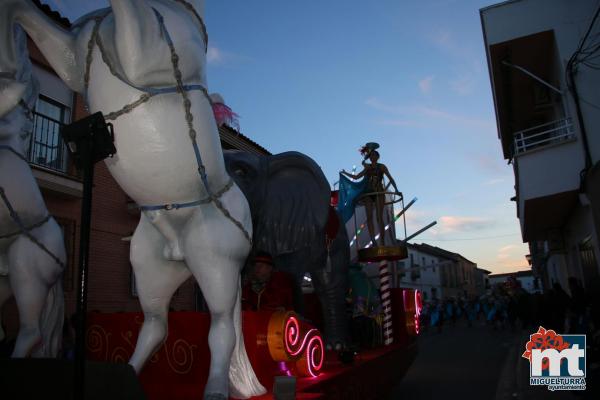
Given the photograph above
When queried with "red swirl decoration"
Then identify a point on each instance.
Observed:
(290, 339)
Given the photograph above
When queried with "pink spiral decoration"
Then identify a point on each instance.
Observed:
(308, 347)
(315, 355)
(292, 337)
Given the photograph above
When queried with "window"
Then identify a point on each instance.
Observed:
(47, 148)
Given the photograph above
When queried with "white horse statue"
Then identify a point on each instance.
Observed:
(142, 64)
(32, 250)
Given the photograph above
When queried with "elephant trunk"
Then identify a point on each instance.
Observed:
(331, 283)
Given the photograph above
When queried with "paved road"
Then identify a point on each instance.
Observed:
(459, 363)
(479, 363)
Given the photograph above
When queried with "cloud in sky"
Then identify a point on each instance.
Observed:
(467, 63)
(443, 39)
(463, 86)
(452, 224)
(493, 181)
(512, 256)
(420, 115)
(491, 163)
(447, 225)
(425, 84)
(214, 55)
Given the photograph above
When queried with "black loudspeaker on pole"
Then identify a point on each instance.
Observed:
(89, 140)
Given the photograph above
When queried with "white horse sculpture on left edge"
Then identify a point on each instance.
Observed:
(32, 251)
(143, 64)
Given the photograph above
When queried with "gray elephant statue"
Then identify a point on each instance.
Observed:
(289, 199)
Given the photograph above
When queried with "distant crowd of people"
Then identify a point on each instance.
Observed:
(505, 306)
(509, 306)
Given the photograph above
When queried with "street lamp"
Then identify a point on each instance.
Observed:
(89, 140)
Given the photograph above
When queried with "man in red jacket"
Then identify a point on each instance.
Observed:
(266, 289)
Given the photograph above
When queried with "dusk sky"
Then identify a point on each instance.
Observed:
(324, 77)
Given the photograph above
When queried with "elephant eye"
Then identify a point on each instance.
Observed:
(240, 171)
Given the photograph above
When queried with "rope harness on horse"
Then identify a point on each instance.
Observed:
(22, 228)
(148, 93)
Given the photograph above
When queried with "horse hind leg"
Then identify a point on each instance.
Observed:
(31, 274)
(215, 252)
(219, 281)
(156, 279)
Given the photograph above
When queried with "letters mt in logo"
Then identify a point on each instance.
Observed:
(556, 360)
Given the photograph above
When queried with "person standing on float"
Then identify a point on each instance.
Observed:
(374, 173)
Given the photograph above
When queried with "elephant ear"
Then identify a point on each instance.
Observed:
(296, 204)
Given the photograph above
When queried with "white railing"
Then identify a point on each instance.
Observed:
(543, 135)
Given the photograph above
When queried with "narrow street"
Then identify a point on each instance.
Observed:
(458, 363)
(471, 363)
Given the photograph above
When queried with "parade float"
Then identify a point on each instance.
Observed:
(200, 218)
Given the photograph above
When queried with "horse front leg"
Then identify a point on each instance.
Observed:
(215, 252)
(57, 44)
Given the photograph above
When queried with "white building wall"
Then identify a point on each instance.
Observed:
(548, 171)
(569, 20)
(555, 169)
(427, 271)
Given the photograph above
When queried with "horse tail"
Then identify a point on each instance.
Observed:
(51, 322)
(242, 379)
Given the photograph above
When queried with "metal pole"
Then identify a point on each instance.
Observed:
(84, 249)
(404, 218)
(420, 231)
(404, 208)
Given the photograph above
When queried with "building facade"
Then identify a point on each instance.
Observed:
(525, 279)
(542, 59)
(482, 280)
(438, 273)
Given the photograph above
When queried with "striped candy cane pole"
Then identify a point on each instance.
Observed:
(386, 301)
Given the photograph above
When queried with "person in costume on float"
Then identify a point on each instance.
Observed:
(374, 173)
(266, 289)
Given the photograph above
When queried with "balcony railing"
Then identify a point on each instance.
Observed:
(543, 135)
(47, 148)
